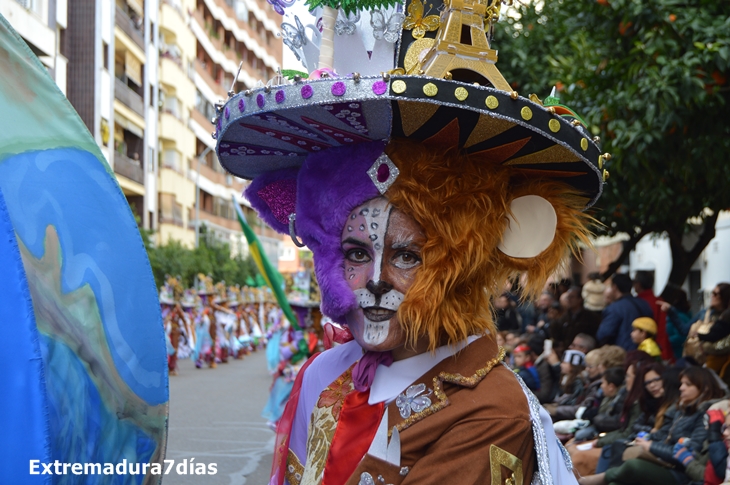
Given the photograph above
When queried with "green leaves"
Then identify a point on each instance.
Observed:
(209, 258)
(351, 6)
(651, 78)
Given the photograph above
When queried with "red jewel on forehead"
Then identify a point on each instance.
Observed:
(383, 173)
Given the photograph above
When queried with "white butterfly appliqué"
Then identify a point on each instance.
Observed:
(294, 37)
(386, 29)
(411, 401)
(346, 22)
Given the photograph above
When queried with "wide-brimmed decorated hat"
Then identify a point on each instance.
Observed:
(404, 72)
(204, 284)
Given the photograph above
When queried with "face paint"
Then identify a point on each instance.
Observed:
(382, 248)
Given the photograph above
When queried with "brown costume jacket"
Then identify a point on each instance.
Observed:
(477, 429)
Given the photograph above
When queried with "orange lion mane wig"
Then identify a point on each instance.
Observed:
(462, 203)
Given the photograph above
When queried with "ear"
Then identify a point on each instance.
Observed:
(274, 196)
(531, 227)
(570, 227)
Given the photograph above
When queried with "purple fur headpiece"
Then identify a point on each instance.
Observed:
(322, 193)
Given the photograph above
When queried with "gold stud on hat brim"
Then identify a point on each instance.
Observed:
(493, 110)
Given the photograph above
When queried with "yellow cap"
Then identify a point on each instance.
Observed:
(645, 323)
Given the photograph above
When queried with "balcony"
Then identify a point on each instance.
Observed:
(130, 27)
(132, 169)
(209, 80)
(128, 97)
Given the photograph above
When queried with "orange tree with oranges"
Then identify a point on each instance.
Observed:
(651, 79)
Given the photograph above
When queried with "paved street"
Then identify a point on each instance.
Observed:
(215, 417)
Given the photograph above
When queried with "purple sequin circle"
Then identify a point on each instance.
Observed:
(280, 96)
(379, 87)
(307, 91)
(241, 105)
(227, 112)
(220, 123)
(260, 101)
(339, 88)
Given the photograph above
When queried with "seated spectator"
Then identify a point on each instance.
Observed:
(644, 288)
(507, 317)
(576, 319)
(525, 367)
(636, 405)
(544, 303)
(591, 400)
(571, 384)
(614, 394)
(716, 346)
(548, 369)
(679, 320)
(643, 333)
(583, 343)
(701, 324)
(610, 356)
(718, 441)
(669, 466)
(615, 328)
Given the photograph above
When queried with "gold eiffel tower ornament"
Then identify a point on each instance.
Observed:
(461, 48)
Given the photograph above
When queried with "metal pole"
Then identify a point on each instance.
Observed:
(197, 196)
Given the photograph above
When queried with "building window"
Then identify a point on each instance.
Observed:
(105, 55)
(62, 42)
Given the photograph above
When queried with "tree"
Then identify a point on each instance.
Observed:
(651, 79)
(209, 258)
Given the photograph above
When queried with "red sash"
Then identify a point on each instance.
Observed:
(355, 432)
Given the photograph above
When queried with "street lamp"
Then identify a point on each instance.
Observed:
(197, 196)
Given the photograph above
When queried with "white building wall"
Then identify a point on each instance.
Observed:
(653, 254)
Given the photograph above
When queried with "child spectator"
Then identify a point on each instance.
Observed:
(571, 383)
(591, 399)
(643, 333)
(614, 395)
(525, 367)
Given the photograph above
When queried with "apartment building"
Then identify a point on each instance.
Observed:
(202, 43)
(42, 24)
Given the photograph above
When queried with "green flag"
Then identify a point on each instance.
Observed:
(267, 272)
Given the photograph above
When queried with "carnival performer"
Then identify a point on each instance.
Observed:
(419, 196)
(173, 319)
(205, 325)
(287, 350)
(225, 322)
(236, 349)
(188, 304)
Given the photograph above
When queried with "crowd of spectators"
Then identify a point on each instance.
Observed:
(636, 385)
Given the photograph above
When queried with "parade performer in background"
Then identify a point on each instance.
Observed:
(205, 324)
(419, 194)
(234, 344)
(173, 318)
(225, 322)
(189, 303)
(288, 348)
